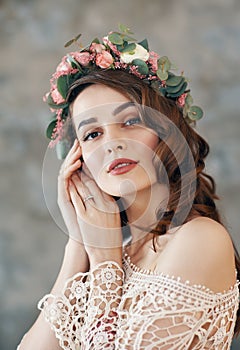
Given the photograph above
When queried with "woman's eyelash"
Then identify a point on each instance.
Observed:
(93, 134)
(135, 120)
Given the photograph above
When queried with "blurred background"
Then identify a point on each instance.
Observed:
(201, 37)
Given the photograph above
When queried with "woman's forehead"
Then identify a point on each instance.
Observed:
(105, 113)
(97, 96)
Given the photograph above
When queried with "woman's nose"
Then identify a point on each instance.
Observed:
(114, 143)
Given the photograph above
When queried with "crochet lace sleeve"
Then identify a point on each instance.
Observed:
(85, 315)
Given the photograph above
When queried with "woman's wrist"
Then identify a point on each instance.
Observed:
(76, 252)
(99, 256)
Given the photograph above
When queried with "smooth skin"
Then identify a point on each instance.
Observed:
(199, 251)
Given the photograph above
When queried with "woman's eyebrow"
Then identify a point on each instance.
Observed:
(123, 106)
(86, 122)
(116, 111)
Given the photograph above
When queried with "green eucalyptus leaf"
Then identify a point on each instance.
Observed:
(175, 89)
(50, 128)
(142, 66)
(70, 42)
(163, 63)
(175, 80)
(144, 43)
(124, 29)
(189, 100)
(128, 38)
(195, 113)
(115, 38)
(180, 92)
(129, 47)
(162, 75)
(62, 85)
(62, 149)
(163, 91)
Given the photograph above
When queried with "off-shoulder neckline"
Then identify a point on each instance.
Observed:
(176, 279)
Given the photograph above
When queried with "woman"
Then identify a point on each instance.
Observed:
(148, 264)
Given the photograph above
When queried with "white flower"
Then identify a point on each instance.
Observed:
(139, 53)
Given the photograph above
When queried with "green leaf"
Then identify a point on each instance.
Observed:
(124, 29)
(115, 38)
(142, 66)
(175, 89)
(164, 64)
(96, 41)
(73, 62)
(162, 75)
(128, 38)
(50, 128)
(175, 80)
(70, 42)
(189, 100)
(195, 113)
(62, 85)
(144, 44)
(178, 93)
(129, 48)
(62, 149)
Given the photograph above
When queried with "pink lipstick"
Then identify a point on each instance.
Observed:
(121, 166)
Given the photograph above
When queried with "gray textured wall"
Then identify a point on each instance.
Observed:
(202, 37)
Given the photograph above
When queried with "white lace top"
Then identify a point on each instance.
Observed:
(130, 309)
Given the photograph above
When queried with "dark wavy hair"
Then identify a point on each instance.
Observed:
(184, 162)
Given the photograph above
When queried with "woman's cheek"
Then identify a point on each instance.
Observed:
(93, 162)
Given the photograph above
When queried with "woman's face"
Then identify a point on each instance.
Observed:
(117, 147)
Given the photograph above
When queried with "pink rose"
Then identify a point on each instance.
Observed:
(64, 67)
(98, 48)
(81, 57)
(104, 59)
(57, 97)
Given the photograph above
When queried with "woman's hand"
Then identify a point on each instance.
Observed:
(98, 218)
(69, 167)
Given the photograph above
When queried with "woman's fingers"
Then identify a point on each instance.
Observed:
(80, 187)
(71, 168)
(70, 165)
(102, 201)
(75, 198)
(73, 155)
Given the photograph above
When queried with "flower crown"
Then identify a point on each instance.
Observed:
(117, 50)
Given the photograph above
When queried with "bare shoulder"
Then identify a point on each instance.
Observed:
(201, 252)
(205, 233)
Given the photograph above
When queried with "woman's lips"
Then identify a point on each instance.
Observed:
(121, 166)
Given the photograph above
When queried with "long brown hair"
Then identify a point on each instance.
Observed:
(171, 152)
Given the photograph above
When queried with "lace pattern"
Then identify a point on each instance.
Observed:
(111, 308)
(84, 316)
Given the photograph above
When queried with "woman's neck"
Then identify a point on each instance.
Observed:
(141, 209)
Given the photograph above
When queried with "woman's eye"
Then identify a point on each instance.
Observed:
(133, 121)
(91, 135)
